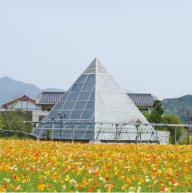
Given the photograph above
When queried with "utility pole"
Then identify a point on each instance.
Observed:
(73, 134)
(116, 130)
(52, 131)
(60, 117)
(53, 127)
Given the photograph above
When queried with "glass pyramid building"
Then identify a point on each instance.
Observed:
(95, 109)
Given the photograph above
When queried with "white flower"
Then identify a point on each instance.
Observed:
(64, 187)
(73, 183)
(7, 180)
(147, 179)
(139, 189)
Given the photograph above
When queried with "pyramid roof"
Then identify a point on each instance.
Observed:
(94, 99)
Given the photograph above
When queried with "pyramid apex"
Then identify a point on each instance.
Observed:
(95, 67)
(97, 59)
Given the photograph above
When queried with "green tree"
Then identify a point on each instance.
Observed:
(158, 107)
(15, 121)
(172, 119)
(1, 122)
(155, 115)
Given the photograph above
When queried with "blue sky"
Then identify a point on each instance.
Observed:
(145, 45)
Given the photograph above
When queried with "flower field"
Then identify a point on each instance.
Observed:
(37, 166)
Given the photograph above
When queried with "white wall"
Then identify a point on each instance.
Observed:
(164, 137)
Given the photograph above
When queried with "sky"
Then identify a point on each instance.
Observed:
(145, 45)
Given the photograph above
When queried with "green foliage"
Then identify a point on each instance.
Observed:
(14, 120)
(48, 134)
(1, 122)
(158, 107)
(172, 119)
(28, 127)
(7, 134)
(156, 116)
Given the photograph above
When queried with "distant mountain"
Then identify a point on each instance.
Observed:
(11, 89)
(178, 105)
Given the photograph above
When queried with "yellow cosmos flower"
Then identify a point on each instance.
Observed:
(67, 178)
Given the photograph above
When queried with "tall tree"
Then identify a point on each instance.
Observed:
(157, 112)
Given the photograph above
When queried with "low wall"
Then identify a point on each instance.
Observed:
(164, 137)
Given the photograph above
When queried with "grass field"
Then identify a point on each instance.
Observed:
(28, 165)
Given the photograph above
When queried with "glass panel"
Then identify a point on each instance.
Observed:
(87, 114)
(48, 125)
(92, 96)
(69, 105)
(53, 114)
(67, 126)
(78, 135)
(64, 97)
(87, 87)
(80, 105)
(90, 105)
(88, 134)
(73, 96)
(91, 79)
(82, 78)
(58, 106)
(66, 114)
(84, 96)
(93, 117)
(63, 115)
(76, 87)
(39, 125)
(75, 114)
(82, 126)
(58, 125)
